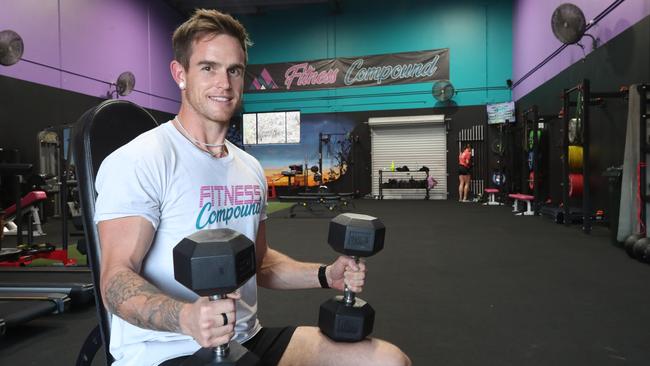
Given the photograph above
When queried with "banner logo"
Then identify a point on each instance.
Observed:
(345, 72)
(263, 81)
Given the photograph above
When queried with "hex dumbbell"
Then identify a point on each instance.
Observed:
(348, 318)
(214, 263)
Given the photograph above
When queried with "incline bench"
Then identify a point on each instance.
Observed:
(28, 203)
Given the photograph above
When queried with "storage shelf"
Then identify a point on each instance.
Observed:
(410, 184)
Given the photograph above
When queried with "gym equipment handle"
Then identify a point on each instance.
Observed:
(348, 295)
(221, 350)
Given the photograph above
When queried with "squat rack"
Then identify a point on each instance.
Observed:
(589, 99)
(537, 121)
(534, 149)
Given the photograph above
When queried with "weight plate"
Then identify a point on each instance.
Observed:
(576, 182)
(531, 138)
(498, 178)
(575, 158)
(497, 146)
(575, 130)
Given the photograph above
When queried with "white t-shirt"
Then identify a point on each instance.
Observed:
(180, 189)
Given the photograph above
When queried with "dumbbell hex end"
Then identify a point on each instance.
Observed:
(344, 323)
(356, 234)
(215, 261)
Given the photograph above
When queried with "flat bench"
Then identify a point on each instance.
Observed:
(316, 194)
(328, 201)
(492, 197)
(525, 198)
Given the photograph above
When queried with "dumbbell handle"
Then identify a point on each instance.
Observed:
(221, 350)
(348, 295)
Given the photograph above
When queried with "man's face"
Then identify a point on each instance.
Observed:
(215, 78)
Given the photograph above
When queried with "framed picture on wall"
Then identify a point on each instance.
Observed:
(271, 128)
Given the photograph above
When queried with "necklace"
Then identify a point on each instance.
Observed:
(193, 139)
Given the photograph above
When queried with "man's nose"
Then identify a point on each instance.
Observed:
(222, 79)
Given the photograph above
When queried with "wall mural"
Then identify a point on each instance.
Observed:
(336, 145)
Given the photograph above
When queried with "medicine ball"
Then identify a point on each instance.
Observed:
(629, 244)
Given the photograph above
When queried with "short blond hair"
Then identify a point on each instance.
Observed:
(206, 22)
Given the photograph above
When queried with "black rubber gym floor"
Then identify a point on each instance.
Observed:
(456, 284)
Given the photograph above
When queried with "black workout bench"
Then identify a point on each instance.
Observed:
(17, 308)
(309, 201)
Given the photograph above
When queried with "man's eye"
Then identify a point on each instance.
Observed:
(206, 68)
(235, 72)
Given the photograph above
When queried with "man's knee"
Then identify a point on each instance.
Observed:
(392, 356)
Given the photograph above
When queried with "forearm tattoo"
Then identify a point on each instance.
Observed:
(139, 302)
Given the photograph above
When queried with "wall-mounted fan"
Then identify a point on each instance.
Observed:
(124, 84)
(443, 90)
(11, 47)
(569, 25)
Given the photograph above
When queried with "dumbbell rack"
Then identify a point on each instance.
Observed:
(381, 176)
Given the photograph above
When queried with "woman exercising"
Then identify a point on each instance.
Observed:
(464, 163)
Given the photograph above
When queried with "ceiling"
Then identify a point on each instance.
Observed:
(186, 7)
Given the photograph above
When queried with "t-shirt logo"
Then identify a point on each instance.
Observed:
(225, 203)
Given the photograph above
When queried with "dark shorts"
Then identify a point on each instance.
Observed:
(268, 344)
(463, 170)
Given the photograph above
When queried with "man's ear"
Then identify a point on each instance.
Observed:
(178, 74)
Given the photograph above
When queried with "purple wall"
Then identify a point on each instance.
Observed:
(533, 39)
(99, 39)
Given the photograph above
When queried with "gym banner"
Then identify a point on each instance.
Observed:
(345, 72)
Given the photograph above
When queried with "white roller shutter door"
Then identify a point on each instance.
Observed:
(414, 141)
